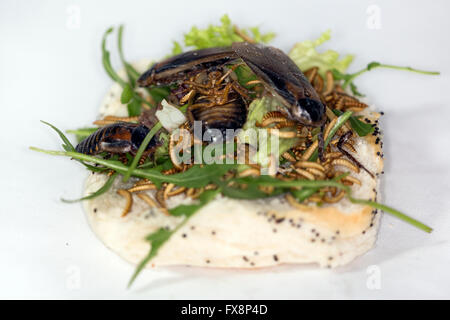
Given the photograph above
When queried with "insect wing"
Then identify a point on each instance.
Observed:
(175, 67)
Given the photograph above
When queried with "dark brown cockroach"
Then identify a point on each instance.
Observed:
(216, 100)
(120, 138)
(279, 74)
(231, 115)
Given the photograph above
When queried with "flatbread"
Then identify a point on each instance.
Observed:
(231, 233)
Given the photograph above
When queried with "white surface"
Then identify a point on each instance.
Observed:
(52, 72)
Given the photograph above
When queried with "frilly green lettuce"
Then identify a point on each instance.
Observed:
(257, 109)
(220, 35)
(305, 55)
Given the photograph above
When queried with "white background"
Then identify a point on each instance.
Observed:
(51, 69)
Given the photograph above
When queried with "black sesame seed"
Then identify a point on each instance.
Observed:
(192, 227)
(207, 261)
(330, 258)
(184, 235)
(95, 210)
(313, 240)
(252, 263)
(274, 230)
(213, 232)
(245, 258)
(337, 231)
(299, 225)
(280, 220)
(275, 257)
(255, 253)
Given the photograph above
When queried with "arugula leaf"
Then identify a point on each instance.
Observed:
(66, 145)
(361, 128)
(340, 122)
(311, 184)
(127, 94)
(244, 75)
(132, 74)
(196, 177)
(188, 210)
(158, 238)
(393, 212)
(134, 108)
(97, 193)
(350, 77)
(82, 133)
(69, 147)
(141, 150)
(249, 192)
(274, 182)
(106, 60)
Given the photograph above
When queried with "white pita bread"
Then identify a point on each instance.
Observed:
(232, 233)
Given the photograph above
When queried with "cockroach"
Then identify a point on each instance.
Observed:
(277, 72)
(120, 138)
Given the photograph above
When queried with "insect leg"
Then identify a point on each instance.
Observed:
(342, 140)
(321, 143)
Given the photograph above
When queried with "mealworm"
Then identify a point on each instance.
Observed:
(309, 164)
(169, 188)
(308, 153)
(142, 187)
(311, 74)
(305, 173)
(352, 179)
(152, 203)
(129, 201)
(334, 199)
(249, 172)
(318, 83)
(330, 83)
(172, 155)
(329, 127)
(345, 163)
(288, 156)
(316, 172)
(176, 191)
(293, 202)
(282, 134)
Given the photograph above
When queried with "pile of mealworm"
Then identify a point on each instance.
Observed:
(296, 166)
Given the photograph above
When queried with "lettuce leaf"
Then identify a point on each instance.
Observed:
(257, 109)
(220, 35)
(306, 56)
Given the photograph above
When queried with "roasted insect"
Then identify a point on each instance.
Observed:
(120, 137)
(276, 71)
(216, 100)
